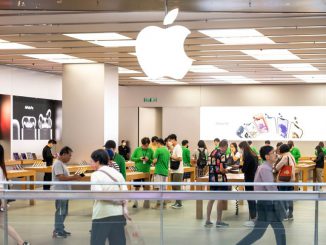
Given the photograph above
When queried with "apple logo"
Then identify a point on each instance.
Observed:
(160, 52)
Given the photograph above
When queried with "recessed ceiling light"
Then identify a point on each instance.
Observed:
(235, 79)
(295, 67)
(127, 71)
(205, 69)
(271, 54)
(59, 58)
(237, 36)
(9, 45)
(165, 81)
(312, 78)
(109, 39)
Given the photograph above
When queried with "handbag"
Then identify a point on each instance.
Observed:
(285, 173)
(174, 165)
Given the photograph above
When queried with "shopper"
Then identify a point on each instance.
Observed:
(217, 173)
(267, 142)
(48, 159)
(117, 158)
(294, 151)
(143, 157)
(319, 164)
(61, 173)
(161, 161)
(3, 177)
(186, 157)
(249, 167)
(109, 217)
(321, 144)
(287, 159)
(124, 150)
(201, 157)
(233, 158)
(268, 211)
(176, 167)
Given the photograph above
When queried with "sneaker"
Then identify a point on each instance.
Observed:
(177, 206)
(221, 224)
(286, 219)
(290, 217)
(57, 234)
(249, 223)
(208, 224)
(26, 243)
(67, 233)
(135, 205)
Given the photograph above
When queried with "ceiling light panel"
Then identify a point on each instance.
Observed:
(59, 58)
(163, 81)
(271, 54)
(235, 79)
(295, 67)
(109, 39)
(205, 69)
(237, 36)
(9, 45)
(312, 78)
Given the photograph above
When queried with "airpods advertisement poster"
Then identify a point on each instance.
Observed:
(302, 123)
(36, 119)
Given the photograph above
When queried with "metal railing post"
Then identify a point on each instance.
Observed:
(316, 218)
(161, 218)
(5, 219)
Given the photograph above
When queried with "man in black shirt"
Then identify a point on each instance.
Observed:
(48, 158)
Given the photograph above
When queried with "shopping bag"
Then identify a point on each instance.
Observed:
(133, 234)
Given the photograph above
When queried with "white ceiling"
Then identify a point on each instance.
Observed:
(304, 34)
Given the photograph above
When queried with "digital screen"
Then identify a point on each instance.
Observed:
(302, 123)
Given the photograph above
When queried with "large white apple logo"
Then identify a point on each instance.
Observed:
(160, 52)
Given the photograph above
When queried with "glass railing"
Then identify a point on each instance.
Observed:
(158, 221)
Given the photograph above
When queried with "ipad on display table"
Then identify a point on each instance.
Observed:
(24, 156)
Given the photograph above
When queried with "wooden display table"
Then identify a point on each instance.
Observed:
(71, 168)
(23, 174)
(199, 203)
(305, 169)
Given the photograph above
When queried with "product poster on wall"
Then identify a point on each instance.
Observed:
(5, 116)
(302, 123)
(36, 119)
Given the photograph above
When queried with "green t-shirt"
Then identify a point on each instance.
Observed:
(162, 155)
(296, 154)
(138, 154)
(228, 150)
(254, 149)
(121, 162)
(186, 157)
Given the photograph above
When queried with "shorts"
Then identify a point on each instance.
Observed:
(138, 180)
(160, 178)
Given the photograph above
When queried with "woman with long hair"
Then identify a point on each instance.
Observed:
(249, 167)
(3, 177)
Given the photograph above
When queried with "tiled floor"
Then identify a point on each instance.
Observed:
(180, 226)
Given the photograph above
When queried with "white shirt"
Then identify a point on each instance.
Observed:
(177, 152)
(2, 178)
(103, 209)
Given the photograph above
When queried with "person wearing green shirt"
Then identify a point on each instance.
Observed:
(143, 157)
(294, 151)
(185, 153)
(161, 172)
(117, 158)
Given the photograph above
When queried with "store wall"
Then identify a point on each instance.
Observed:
(21, 82)
(181, 105)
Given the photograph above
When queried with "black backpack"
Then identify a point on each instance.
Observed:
(201, 161)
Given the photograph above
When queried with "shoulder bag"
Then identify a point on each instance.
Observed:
(285, 173)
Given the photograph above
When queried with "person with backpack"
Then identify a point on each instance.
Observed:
(249, 167)
(201, 157)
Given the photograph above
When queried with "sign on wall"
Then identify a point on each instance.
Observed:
(36, 119)
(306, 123)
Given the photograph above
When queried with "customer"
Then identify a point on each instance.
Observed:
(3, 177)
(124, 150)
(254, 149)
(287, 159)
(321, 144)
(117, 158)
(48, 159)
(267, 142)
(61, 173)
(319, 164)
(249, 167)
(234, 156)
(201, 157)
(161, 161)
(294, 151)
(109, 217)
(268, 213)
(186, 157)
(143, 157)
(176, 167)
(217, 173)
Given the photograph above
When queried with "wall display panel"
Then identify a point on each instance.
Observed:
(36, 119)
(5, 117)
(302, 123)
